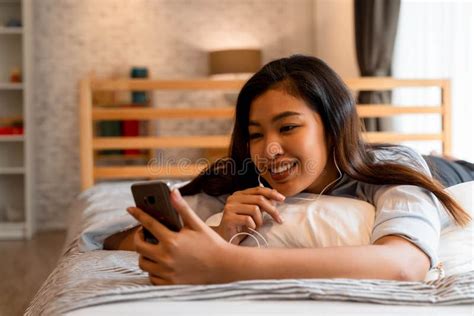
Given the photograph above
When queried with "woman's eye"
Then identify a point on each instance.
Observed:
(255, 135)
(288, 128)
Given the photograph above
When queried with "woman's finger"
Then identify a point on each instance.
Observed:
(264, 204)
(157, 229)
(156, 280)
(249, 210)
(145, 248)
(243, 221)
(151, 266)
(267, 206)
(190, 218)
(239, 224)
(270, 194)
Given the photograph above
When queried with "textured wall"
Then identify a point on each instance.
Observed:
(170, 37)
(339, 54)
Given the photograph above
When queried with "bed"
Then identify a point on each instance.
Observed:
(101, 282)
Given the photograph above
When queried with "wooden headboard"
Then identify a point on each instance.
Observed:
(89, 114)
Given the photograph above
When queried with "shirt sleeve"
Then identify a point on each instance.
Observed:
(410, 212)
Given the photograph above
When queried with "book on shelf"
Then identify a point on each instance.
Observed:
(132, 128)
(125, 128)
(110, 129)
(11, 126)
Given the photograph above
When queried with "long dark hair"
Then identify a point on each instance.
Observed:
(310, 79)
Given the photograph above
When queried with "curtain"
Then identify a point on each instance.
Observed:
(435, 40)
(375, 31)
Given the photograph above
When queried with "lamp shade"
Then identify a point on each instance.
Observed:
(234, 61)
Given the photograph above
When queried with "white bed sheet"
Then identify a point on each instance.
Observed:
(249, 308)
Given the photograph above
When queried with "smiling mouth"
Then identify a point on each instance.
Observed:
(282, 171)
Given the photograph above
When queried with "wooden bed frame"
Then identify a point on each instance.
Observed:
(89, 143)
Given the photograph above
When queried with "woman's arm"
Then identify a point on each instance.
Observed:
(391, 257)
(198, 255)
(121, 241)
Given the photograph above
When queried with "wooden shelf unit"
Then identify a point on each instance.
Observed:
(4, 30)
(9, 85)
(16, 214)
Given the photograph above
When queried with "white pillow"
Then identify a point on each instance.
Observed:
(309, 223)
(339, 221)
(456, 247)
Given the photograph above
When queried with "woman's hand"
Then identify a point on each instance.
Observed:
(194, 255)
(244, 209)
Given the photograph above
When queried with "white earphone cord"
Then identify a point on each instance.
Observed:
(248, 234)
(299, 198)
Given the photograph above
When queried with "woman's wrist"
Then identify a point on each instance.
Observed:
(225, 264)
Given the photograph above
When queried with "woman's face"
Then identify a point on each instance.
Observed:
(288, 144)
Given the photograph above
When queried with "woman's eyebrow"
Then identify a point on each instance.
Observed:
(277, 117)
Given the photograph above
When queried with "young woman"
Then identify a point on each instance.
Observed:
(297, 130)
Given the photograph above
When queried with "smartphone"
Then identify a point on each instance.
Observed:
(153, 197)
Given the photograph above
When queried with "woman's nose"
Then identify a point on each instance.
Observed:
(273, 149)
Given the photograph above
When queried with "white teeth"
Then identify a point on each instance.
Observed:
(282, 168)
